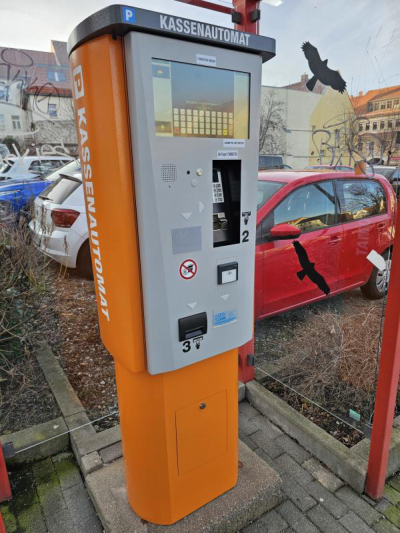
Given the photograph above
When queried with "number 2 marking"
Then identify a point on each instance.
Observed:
(187, 346)
(245, 236)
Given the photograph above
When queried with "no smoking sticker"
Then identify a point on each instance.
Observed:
(188, 269)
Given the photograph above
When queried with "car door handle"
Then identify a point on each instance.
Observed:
(381, 226)
(334, 240)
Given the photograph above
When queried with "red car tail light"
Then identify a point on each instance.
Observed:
(64, 218)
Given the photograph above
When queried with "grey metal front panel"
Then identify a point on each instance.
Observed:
(175, 213)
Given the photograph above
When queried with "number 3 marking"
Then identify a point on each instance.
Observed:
(187, 346)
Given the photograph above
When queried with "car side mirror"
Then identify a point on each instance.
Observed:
(285, 231)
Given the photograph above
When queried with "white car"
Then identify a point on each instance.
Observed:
(59, 227)
(30, 166)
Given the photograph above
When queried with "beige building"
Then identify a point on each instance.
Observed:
(314, 127)
(378, 115)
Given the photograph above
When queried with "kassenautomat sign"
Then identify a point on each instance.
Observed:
(119, 20)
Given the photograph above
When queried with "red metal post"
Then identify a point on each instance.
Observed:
(5, 489)
(388, 379)
(246, 8)
(209, 5)
(2, 528)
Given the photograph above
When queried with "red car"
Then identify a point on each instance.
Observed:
(314, 233)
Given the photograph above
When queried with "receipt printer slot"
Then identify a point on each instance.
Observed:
(192, 326)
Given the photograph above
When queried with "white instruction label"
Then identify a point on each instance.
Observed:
(377, 260)
(209, 61)
(234, 143)
(227, 154)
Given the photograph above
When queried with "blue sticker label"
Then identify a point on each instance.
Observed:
(129, 15)
(222, 318)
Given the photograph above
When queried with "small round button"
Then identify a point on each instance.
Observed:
(202, 406)
(199, 171)
(194, 183)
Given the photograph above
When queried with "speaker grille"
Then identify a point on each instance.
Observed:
(168, 172)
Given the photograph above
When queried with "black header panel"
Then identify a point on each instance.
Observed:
(119, 20)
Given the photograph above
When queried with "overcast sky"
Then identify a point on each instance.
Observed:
(361, 38)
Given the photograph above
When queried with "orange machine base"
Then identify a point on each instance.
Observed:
(179, 436)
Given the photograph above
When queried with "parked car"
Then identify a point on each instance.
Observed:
(314, 232)
(266, 162)
(17, 194)
(59, 228)
(343, 168)
(30, 166)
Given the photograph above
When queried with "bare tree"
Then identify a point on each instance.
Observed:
(272, 137)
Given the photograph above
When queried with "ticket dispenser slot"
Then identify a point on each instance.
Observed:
(226, 202)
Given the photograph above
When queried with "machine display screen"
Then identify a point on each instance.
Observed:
(197, 101)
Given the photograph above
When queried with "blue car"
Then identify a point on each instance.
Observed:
(17, 194)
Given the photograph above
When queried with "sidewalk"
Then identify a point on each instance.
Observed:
(316, 500)
(50, 497)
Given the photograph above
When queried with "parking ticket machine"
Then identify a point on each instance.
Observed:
(167, 112)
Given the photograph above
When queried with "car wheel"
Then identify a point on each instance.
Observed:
(377, 284)
(85, 261)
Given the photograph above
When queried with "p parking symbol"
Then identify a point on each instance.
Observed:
(128, 14)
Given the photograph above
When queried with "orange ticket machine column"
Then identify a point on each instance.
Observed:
(167, 113)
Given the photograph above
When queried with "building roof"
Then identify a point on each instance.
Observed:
(33, 68)
(360, 102)
(301, 86)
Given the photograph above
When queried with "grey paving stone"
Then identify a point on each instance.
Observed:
(382, 505)
(271, 522)
(327, 499)
(324, 521)
(265, 443)
(294, 469)
(51, 498)
(247, 440)
(61, 523)
(79, 504)
(271, 462)
(297, 494)
(391, 494)
(263, 423)
(246, 425)
(291, 447)
(111, 453)
(31, 520)
(358, 505)
(384, 526)
(68, 473)
(248, 410)
(369, 500)
(295, 518)
(322, 474)
(91, 525)
(91, 462)
(354, 524)
(43, 471)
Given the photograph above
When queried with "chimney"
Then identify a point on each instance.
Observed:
(304, 79)
(360, 93)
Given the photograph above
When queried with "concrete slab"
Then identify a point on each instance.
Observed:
(39, 441)
(257, 491)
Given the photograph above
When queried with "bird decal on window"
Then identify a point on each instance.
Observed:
(321, 71)
(309, 269)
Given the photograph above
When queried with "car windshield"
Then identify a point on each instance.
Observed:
(5, 166)
(70, 166)
(387, 172)
(269, 161)
(266, 189)
(60, 189)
